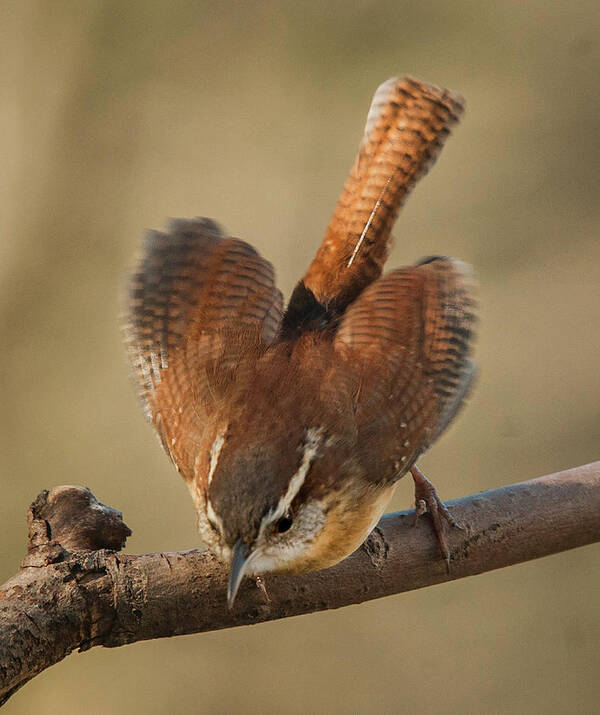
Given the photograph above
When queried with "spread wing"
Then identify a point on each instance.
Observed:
(200, 305)
(409, 336)
(406, 127)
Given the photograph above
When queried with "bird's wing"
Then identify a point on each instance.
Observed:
(409, 338)
(199, 304)
(406, 127)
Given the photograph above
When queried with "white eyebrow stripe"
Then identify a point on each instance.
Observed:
(314, 436)
(215, 452)
(213, 516)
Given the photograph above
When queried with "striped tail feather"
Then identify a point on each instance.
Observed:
(406, 127)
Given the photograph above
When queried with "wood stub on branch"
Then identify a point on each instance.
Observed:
(70, 518)
(46, 610)
(75, 591)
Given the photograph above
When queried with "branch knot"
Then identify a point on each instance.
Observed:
(70, 518)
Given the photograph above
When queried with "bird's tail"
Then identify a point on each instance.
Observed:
(406, 127)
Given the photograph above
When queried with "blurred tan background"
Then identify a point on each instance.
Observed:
(116, 115)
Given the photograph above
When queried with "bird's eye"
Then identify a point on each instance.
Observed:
(285, 522)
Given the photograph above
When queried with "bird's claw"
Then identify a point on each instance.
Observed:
(262, 587)
(427, 500)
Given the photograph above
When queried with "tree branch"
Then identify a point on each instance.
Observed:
(74, 590)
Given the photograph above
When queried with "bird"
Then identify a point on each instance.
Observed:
(291, 427)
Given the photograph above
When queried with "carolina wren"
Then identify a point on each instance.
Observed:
(292, 428)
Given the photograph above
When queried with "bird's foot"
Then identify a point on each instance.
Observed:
(262, 587)
(427, 500)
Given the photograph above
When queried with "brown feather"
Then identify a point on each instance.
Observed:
(409, 336)
(406, 127)
(201, 305)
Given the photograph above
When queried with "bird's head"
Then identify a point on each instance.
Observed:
(266, 507)
(259, 512)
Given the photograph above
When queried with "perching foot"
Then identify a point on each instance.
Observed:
(427, 500)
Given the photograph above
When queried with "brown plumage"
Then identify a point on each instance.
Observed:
(291, 429)
(406, 127)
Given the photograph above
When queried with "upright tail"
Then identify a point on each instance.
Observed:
(406, 127)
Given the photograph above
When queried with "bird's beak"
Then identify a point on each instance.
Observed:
(239, 562)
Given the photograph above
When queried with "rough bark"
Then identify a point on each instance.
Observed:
(75, 591)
